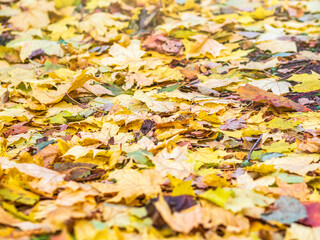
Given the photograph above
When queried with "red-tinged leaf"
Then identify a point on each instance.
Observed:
(163, 44)
(16, 129)
(255, 94)
(313, 212)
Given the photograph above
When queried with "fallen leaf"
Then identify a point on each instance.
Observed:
(204, 45)
(307, 82)
(180, 221)
(286, 210)
(49, 179)
(29, 46)
(276, 46)
(163, 44)
(295, 190)
(295, 164)
(218, 196)
(253, 93)
(277, 87)
(125, 57)
(233, 124)
(312, 218)
(131, 184)
(311, 145)
(45, 96)
(299, 231)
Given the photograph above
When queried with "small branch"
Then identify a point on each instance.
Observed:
(253, 147)
(304, 93)
(84, 106)
(75, 101)
(247, 162)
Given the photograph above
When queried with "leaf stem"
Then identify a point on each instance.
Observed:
(245, 163)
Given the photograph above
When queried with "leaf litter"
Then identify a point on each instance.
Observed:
(159, 119)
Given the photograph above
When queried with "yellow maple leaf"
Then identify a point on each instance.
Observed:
(125, 57)
(131, 184)
(280, 146)
(46, 96)
(35, 14)
(203, 46)
(278, 46)
(307, 82)
(281, 123)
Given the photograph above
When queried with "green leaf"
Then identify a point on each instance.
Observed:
(116, 90)
(139, 212)
(14, 211)
(218, 196)
(286, 210)
(140, 156)
(42, 145)
(14, 193)
(170, 88)
(60, 118)
(41, 237)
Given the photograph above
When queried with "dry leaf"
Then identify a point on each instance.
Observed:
(252, 93)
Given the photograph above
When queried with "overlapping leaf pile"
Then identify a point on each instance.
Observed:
(150, 119)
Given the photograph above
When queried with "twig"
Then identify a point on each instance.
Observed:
(253, 147)
(246, 163)
(75, 101)
(299, 69)
(84, 106)
(304, 93)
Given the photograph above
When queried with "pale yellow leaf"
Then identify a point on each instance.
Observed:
(131, 184)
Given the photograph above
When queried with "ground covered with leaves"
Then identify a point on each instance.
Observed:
(147, 120)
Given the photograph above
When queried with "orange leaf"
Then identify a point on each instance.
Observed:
(255, 94)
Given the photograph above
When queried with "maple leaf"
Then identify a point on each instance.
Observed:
(29, 46)
(49, 179)
(180, 221)
(35, 14)
(125, 57)
(285, 214)
(252, 93)
(276, 46)
(217, 83)
(131, 184)
(300, 164)
(46, 96)
(173, 163)
(261, 65)
(163, 44)
(277, 87)
(98, 23)
(308, 82)
(204, 45)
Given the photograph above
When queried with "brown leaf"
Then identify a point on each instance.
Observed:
(62, 167)
(233, 124)
(84, 174)
(48, 155)
(16, 129)
(163, 44)
(311, 145)
(146, 126)
(252, 93)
